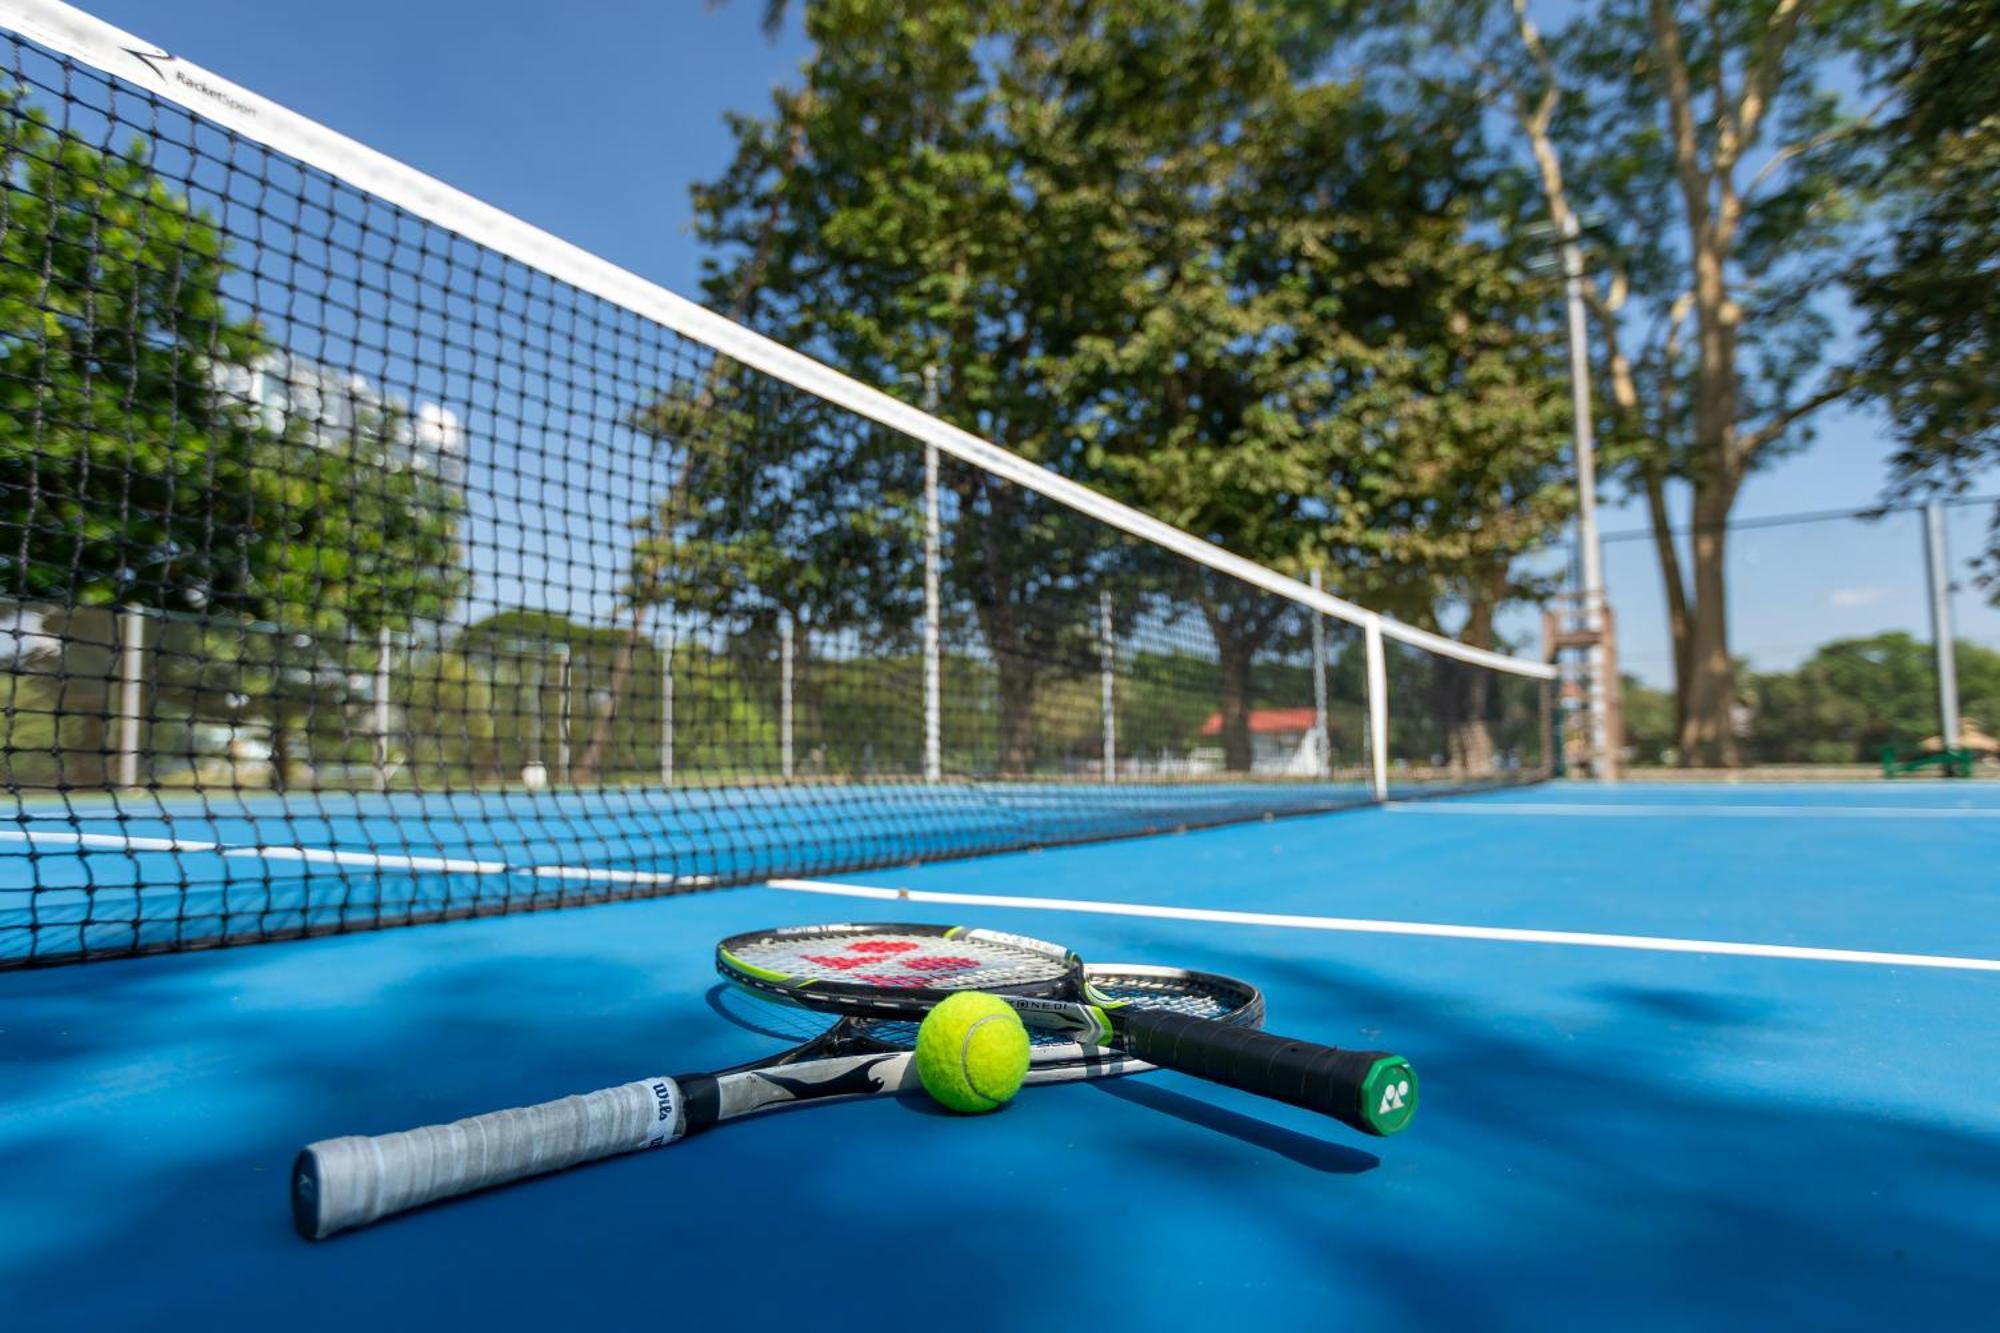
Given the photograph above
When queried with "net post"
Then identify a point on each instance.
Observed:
(933, 609)
(1378, 710)
(667, 709)
(132, 639)
(1322, 741)
(1107, 650)
(1937, 565)
(381, 709)
(785, 655)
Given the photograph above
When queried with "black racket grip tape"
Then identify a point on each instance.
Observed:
(1372, 1091)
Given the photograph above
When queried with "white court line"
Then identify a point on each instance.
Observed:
(1686, 811)
(1365, 926)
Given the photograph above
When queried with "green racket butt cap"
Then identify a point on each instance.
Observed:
(1389, 1095)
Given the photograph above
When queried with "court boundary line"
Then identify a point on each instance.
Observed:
(1370, 926)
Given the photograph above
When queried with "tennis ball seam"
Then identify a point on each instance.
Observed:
(965, 1060)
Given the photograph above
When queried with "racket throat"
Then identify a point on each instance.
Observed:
(1086, 1023)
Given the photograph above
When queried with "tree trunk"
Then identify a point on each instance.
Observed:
(1014, 668)
(1675, 583)
(1238, 747)
(1468, 700)
(1708, 692)
(1003, 621)
(1469, 689)
(281, 748)
(1239, 632)
(601, 719)
(1017, 713)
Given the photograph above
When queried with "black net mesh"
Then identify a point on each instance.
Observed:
(358, 574)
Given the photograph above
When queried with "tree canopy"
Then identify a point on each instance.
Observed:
(1700, 142)
(1929, 291)
(139, 469)
(1131, 244)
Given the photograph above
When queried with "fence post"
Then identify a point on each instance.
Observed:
(1937, 561)
(785, 654)
(131, 676)
(667, 709)
(563, 714)
(933, 610)
(1107, 653)
(1322, 738)
(381, 711)
(1378, 710)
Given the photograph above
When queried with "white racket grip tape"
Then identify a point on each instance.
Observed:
(351, 1181)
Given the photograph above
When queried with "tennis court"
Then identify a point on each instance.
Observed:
(422, 641)
(1608, 1136)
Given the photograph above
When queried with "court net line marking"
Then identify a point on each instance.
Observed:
(398, 863)
(1366, 926)
(1688, 811)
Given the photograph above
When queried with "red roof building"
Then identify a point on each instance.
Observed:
(1267, 722)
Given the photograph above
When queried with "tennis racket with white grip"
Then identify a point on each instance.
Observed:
(349, 1182)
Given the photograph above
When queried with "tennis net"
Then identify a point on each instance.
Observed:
(371, 557)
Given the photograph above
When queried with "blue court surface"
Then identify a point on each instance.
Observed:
(1802, 1133)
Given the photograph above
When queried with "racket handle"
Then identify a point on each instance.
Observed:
(1372, 1091)
(346, 1182)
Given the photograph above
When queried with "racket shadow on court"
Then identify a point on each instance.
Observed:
(791, 1025)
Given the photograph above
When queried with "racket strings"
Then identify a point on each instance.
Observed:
(1197, 995)
(902, 962)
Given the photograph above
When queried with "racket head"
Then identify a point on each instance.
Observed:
(1053, 1056)
(894, 970)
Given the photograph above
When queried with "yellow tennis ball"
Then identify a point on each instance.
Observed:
(972, 1052)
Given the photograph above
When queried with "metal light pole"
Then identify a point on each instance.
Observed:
(1603, 763)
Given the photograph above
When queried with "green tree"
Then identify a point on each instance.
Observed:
(1853, 697)
(787, 517)
(523, 687)
(1296, 345)
(872, 221)
(125, 476)
(1929, 292)
(136, 470)
(1651, 730)
(1701, 137)
(1133, 245)
(363, 543)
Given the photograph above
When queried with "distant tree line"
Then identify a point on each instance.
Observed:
(1843, 705)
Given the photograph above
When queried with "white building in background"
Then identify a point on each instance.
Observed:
(334, 405)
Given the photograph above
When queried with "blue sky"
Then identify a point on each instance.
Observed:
(592, 119)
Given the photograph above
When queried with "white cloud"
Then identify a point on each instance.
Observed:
(1857, 596)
